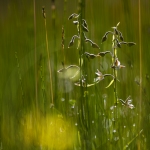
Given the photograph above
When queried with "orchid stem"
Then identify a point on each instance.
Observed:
(114, 70)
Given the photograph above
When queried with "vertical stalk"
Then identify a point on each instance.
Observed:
(83, 99)
(82, 72)
(63, 31)
(140, 50)
(81, 62)
(140, 55)
(49, 61)
(115, 75)
(65, 95)
(53, 7)
(114, 70)
(35, 59)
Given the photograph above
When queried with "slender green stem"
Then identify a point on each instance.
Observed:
(140, 59)
(84, 106)
(114, 70)
(81, 104)
(49, 62)
(53, 7)
(35, 59)
(82, 73)
(64, 106)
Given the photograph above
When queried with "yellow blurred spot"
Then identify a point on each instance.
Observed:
(46, 131)
(50, 131)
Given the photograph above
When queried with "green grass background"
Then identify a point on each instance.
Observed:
(21, 111)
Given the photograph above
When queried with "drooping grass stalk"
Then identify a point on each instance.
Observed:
(48, 55)
(35, 58)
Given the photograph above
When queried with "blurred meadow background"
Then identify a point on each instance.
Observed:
(40, 109)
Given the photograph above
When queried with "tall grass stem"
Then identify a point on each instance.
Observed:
(49, 62)
(140, 55)
(35, 58)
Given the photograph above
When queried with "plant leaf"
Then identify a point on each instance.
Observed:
(117, 24)
(127, 145)
(111, 82)
(131, 44)
(88, 85)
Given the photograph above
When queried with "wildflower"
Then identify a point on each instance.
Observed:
(127, 102)
(117, 64)
(100, 76)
